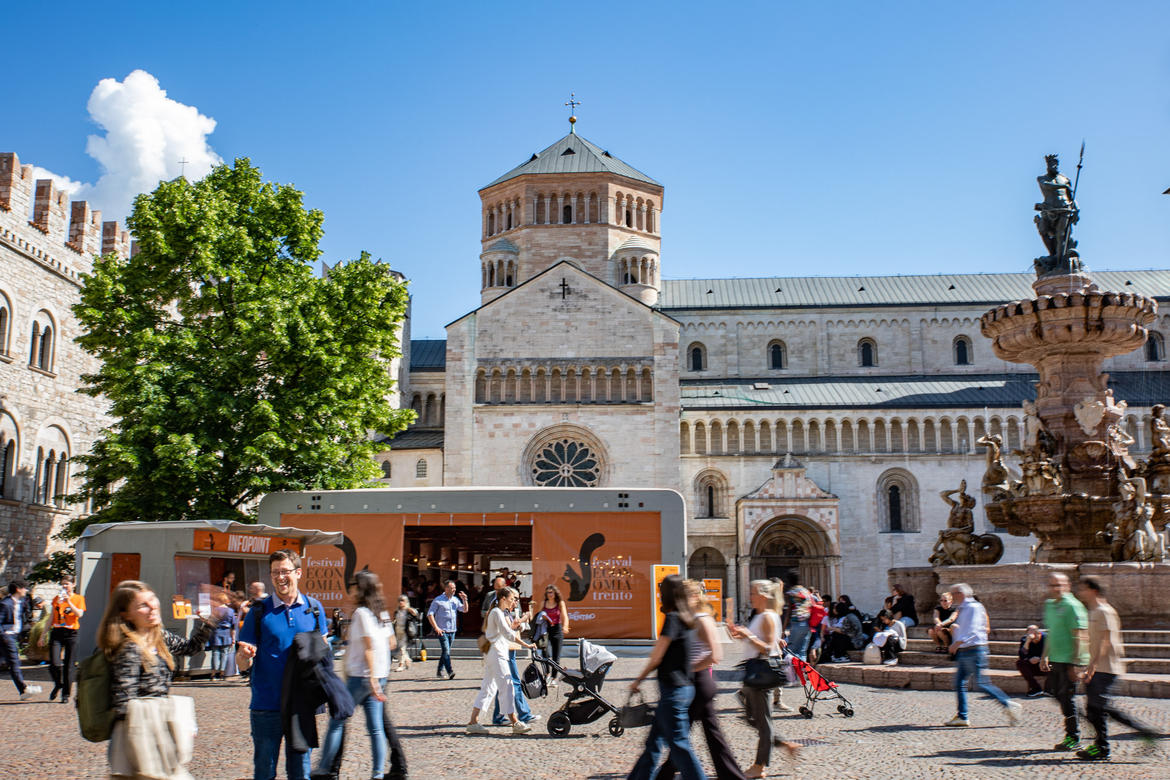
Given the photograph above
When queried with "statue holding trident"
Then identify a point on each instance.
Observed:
(1058, 213)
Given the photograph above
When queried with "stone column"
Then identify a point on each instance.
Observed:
(548, 204)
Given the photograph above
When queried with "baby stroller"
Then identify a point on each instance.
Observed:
(583, 702)
(817, 688)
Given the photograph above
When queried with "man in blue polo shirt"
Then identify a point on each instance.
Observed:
(264, 643)
(443, 621)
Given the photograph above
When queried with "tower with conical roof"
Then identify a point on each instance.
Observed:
(573, 201)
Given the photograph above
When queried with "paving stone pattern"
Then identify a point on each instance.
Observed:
(894, 734)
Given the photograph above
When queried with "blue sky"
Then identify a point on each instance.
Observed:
(793, 139)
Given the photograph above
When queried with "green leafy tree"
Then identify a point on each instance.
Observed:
(232, 370)
(53, 568)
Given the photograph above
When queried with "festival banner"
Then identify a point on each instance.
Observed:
(371, 542)
(600, 562)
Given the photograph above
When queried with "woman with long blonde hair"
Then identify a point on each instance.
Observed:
(762, 638)
(141, 654)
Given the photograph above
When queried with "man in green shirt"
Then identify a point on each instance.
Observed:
(1066, 652)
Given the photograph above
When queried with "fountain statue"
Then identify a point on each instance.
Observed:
(1090, 506)
(958, 544)
(1076, 451)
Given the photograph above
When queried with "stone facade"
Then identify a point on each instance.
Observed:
(46, 244)
(557, 350)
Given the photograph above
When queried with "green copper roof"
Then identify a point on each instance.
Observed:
(779, 292)
(573, 154)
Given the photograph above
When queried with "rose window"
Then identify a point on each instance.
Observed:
(566, 463)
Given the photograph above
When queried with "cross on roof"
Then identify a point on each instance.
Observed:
(573, 103)
(183, 169)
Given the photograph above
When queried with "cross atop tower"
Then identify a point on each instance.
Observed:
(183, 169)
(572, 104)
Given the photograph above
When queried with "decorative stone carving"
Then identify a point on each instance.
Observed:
(1159, 435)
(1089, 413)
(1132, 536)
(958, 544)
(998, 479)
(1041, 478)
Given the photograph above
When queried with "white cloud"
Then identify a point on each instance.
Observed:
(147, 134)
(63, 183)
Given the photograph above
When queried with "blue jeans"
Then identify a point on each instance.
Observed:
(671, 731)
(523, 711)
(359, 689)
(907, 621)
(970, 663)
(11, 652)
(219, 657)
(445, 638)
(266, 736)
(798, 635)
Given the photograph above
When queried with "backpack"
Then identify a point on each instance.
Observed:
(95, 710)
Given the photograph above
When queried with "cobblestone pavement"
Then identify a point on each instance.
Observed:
(894, 734)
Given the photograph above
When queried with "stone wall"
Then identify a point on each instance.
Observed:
(46, 244)
(486, 444)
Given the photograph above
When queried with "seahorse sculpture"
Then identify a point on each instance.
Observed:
(579, 582)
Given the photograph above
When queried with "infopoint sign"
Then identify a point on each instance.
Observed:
(597, 545)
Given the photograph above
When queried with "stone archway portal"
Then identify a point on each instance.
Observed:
(795, 545)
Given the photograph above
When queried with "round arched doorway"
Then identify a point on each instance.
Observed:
(795, 545)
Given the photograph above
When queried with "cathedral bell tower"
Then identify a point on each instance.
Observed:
(573, 201)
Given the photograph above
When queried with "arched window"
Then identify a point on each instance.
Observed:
(386, 469)
(567, 214)
(491, 223)
(894, 498)
(962, 347)
(697, 357)
(867, 353)
(897, 492)
(7, 466)
(420, 469)
(42, 345)
(1155, 347)
(8, 450)
(711, 494)
(777, 357)
(5, 323)
(629, 218)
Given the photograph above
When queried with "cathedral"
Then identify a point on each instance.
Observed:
(810, 423)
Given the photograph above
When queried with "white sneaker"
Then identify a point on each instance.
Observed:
(33, 688)
(476, 728)
(520, 727)
(533, 718)
(890, 662)
(957, 721)
(1013, 712)
(552, 683)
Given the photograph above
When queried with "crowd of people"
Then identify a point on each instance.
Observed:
(283, 643)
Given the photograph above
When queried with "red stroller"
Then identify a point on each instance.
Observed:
(817, 688)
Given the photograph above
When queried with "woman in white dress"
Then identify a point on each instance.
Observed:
(501, 632)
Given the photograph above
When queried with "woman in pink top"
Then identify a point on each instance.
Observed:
(554, 615)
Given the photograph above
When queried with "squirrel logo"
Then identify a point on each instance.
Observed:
(579, 583)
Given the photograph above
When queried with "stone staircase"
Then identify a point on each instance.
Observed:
(920, 668)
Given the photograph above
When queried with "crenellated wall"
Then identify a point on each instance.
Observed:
(46, 244)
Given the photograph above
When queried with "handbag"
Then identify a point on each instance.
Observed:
(484, 644)
(765, 672)
(635, 714)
